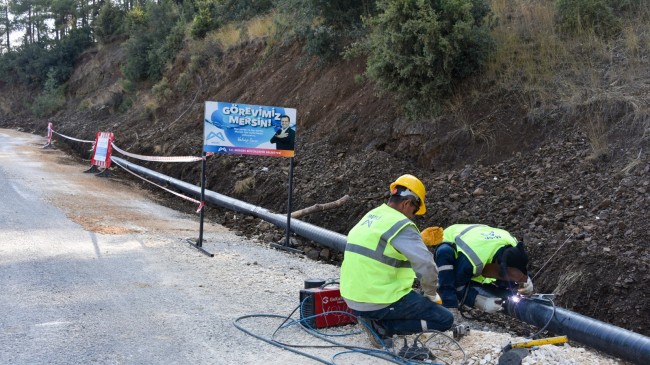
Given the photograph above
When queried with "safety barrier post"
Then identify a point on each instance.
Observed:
(199, 243)
(49, 136)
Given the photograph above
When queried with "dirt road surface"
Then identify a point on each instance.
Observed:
(94, 272)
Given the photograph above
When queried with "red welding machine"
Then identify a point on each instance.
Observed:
(324, 307)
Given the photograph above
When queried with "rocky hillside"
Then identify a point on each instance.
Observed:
(537, 170)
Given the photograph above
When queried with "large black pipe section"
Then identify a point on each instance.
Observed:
(317, 234)
(602, 336)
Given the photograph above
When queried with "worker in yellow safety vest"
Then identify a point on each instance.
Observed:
(383, 255)
(478, 265)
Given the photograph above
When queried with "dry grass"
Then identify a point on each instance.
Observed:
(596, 131)
(232, 35)
(227, 36)
(260, 27)
(528, 50)
(532, 58)
(634, 162)
(478, 130)
(245, 185)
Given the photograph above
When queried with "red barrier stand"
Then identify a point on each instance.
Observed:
(102, 152)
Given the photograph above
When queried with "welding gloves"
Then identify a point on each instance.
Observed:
(488, 304)
(526, 288)
(434, 298)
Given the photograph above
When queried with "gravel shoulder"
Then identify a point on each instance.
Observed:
(95, 272)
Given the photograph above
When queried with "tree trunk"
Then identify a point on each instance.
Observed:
(320, 207)
(8, 27)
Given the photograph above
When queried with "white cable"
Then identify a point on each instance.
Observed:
(72, 138)
(157, 158)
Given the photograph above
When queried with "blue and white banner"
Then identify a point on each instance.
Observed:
(249, 129)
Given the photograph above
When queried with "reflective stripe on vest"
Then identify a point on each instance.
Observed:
(378, 253)
(471, 255)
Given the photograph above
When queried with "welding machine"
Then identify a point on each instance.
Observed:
(322, 306)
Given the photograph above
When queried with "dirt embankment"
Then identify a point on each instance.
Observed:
(582, 215)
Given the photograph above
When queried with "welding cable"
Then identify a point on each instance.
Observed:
(274, 342)
(305, 320)
(293, 348)
(443, 335)
(288, 321)
(304, 325)
(372, 352)
(461, 307)
(382, 354)
(329, 282)
(532, 337)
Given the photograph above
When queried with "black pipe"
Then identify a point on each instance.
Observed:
(602, 336)
(317, 234)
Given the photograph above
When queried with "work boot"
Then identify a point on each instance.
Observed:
(376, 333)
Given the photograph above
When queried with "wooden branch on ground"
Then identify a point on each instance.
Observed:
(320, 207)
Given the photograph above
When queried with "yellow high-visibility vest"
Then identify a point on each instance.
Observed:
(373, 271)
(479, 243)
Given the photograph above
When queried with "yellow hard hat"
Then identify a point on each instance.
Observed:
(415, 186)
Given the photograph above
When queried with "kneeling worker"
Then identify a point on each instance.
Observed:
(478, 265)
(383, 255)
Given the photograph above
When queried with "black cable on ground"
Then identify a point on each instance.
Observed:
(288, 321)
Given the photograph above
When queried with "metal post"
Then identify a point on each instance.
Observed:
(199, 243)
(287, 243)
(289, 195)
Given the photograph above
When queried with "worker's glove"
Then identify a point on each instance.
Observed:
(526, 288)
(432, 236)
(488, 304)
(434, 298)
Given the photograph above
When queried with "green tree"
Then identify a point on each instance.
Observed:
(109, 22)
(150, 45)
(211, 14)
(324, 25)
(5, 25)
(419, 49)
(51, 99)
(205, 20)
(22, 11)
(64, 14)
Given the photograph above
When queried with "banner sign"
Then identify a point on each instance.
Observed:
(102, 150)
(249, 129)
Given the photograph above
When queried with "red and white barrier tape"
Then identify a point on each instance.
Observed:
(157, 158)
(201, 204)
(72, 138)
